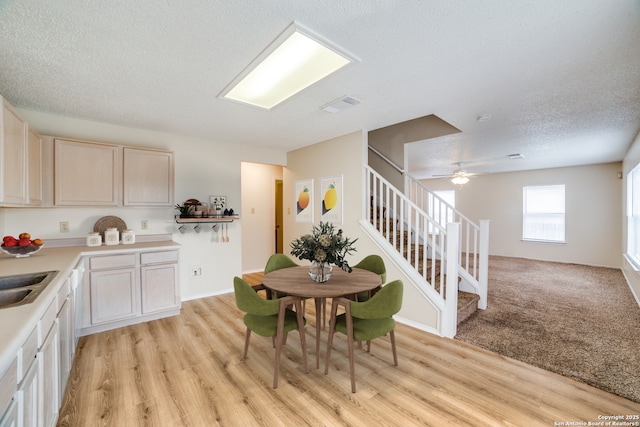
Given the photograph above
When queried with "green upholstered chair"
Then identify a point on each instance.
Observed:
(375, 264)
(269, 318)
(276, 262)
(364, 321)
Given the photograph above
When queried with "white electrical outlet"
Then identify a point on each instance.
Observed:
(144, 224)
(64, 226)
(196, 271)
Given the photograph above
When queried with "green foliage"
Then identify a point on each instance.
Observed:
(324, 244)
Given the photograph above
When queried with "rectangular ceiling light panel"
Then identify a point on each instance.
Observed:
(293, 62)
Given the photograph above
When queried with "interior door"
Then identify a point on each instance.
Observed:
(279, 208)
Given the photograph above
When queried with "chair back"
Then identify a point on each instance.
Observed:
(385, 303)
(250, 302)
(375, 264)
(278, 261)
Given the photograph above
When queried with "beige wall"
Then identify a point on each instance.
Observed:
(593, 212)
(258, 214)
(345, 156)
(633, 276)
(203, 168)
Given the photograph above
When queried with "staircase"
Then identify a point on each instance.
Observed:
(439, 249)
(467, 301)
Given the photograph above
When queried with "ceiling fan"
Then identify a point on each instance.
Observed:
(460, 176)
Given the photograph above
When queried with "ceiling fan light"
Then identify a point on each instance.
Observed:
(460, 180)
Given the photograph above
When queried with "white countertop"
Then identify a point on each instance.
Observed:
(18, 322)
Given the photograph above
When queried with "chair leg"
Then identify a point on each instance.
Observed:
(302, 335)
(332, 328)
(393, 348)
(369, 346)
(350, 347)
(246, 343)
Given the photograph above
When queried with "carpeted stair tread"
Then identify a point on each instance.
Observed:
(467, 302)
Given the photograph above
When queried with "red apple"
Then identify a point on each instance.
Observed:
(9, 241)
(24, 242)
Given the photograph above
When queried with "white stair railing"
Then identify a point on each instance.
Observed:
(473, 255)
(420, 240)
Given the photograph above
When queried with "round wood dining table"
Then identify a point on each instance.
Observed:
(295, 281)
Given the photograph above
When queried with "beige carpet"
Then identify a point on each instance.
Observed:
(578, 321)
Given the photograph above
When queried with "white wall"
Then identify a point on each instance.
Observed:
(258, 214)
(630, 161)
(203, 168)
(593, 212)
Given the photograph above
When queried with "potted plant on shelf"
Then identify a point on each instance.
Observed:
(184, 210)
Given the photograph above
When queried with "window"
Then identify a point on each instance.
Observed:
(633, 216)
(442, 214)
(543, 213)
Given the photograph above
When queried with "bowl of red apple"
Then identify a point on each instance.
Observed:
(21, 246)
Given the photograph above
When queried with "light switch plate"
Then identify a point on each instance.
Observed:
(218, 200)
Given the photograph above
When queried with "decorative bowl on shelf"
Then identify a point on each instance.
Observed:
(21, 251)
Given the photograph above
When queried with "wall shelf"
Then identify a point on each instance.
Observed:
(205, 220)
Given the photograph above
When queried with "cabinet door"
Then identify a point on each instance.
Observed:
(159, 287)
(65, 340)
(148, 177)
(113, 295)
(34, 168)
(48, 367)
(10, 417)
(29, 397)
(12, 157)
(86, 174)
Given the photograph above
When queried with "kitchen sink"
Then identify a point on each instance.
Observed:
(23, 288)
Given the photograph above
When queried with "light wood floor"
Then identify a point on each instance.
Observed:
(186, 371)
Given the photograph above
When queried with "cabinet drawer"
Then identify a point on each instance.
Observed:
(29, 350)
(63, 293)
(158, 257)
(112, 261)
(8, 386)
(47, 320)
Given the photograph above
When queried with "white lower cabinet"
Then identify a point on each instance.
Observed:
(129, 288)
(8, 394)
(48, 370)
(66, 340)
(11, 415)
(114, 296)
(28, 392)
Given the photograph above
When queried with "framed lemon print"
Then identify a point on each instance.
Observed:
(331, 199)
(303, 200)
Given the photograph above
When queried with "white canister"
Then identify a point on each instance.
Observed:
(111, 236)
(128, 237)
(94, 239)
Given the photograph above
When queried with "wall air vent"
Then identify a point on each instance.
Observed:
(340, 104)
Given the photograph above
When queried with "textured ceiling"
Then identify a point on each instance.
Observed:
(560, 79)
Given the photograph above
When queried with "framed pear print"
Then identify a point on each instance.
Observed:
(331, 199)
(303, 200)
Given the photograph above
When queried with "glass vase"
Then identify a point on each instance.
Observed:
(320, 271)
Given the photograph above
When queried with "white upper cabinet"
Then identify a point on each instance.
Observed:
(86, 173)
(34, 168)
(20, 159)
(96, 174)
(148, 177)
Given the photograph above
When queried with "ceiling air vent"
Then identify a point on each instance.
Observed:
(340, 104)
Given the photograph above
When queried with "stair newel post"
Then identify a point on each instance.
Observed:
(483, 271)
(450, 318)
